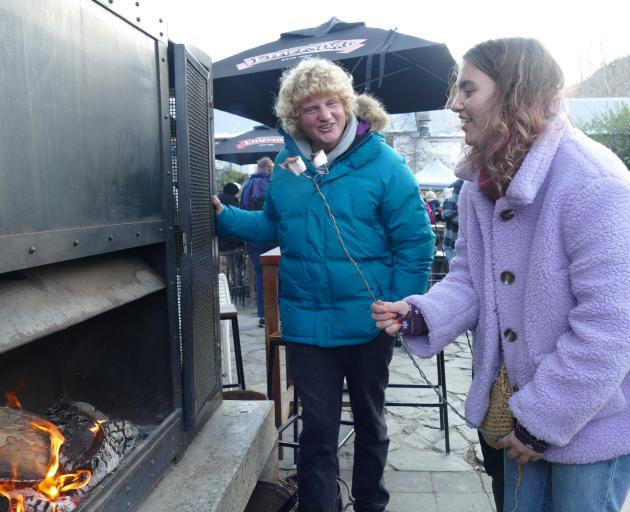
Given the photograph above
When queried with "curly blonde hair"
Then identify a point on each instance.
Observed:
(309, 77)
(528, 83)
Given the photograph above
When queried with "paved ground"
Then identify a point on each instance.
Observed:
(419, 475)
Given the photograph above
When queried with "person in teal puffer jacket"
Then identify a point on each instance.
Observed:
(337, 172)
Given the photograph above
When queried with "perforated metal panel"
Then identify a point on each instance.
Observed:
(196, 260)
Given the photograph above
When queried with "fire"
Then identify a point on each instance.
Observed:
(96, 427)
(11, 400)
(16, 501)
(54, 485)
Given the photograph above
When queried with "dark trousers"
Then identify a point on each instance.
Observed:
(493, 464)
(319, 374)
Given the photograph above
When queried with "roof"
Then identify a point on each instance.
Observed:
(435, 175)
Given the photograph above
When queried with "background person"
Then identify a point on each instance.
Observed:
(543, 281)
(230, 196)
(451, 221)
(253, 199)
(324, 303)
(434, 203)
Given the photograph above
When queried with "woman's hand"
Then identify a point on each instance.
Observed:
(218, 205)
(387, 314)
(517, 450)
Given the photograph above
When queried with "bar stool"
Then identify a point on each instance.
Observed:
(438, 271)
(275, 342)
(236, 273)
(228, 312)
(441, 403)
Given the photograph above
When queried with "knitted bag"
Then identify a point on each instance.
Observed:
(499, 421)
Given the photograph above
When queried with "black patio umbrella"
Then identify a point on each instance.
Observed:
(250, 146)
(406, 73)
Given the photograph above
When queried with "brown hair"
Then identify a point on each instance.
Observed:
(264, 164)
(528, 83)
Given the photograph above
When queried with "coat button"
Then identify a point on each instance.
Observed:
(507, 277)
(510, 335)
(507, 214)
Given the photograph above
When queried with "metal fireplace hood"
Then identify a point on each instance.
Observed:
(42, 300)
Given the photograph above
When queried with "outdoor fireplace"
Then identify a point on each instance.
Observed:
(108, 294)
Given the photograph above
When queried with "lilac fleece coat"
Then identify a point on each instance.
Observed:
(568, 305)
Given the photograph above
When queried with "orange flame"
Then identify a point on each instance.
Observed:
(11, 400)
(16, 501)
(19, 503)
(96, 427)
(54, 485)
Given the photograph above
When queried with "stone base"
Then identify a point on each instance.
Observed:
(220, 468)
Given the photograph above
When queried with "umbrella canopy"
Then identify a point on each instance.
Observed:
(406, 73)
(250, 146)
(435, 176)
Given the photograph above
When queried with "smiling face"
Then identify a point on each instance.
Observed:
(473, 102)
(322, 119)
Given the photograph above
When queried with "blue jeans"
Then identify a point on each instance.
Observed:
(553, 487)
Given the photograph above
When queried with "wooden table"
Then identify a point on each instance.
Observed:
(281, 393)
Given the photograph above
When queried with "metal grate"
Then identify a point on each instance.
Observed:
(179, 246)
(175, 175)
(205, 334)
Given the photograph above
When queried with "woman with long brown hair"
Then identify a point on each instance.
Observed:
(543, 279)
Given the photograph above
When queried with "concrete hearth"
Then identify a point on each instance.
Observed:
(218, 472)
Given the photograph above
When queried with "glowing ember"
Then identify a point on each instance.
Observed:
(11, 400)
(96, 427)
(16, 501)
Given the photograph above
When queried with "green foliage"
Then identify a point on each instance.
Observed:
(225, 175)
(234, 176)
(612, 129)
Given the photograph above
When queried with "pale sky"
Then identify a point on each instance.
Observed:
(581, 35)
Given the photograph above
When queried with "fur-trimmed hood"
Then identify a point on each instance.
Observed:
(371, 110)
(374, 197)
(366, 108)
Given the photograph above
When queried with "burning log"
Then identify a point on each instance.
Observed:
(24, 451)
(49, 464)
(94, 442)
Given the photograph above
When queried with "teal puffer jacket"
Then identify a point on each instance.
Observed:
(374, 198)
